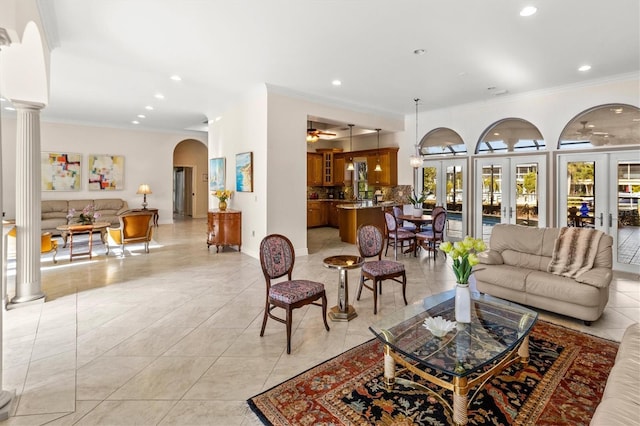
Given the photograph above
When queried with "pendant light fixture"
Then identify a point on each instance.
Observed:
(415, 160)
(378, 167)
(350, 166)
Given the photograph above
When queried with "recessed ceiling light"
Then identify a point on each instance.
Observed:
(218, 118)
(584, 68)
(135, 122)
(336, 83)
(617, 110)
(149, 108)
(528, 11)
(10, 108)
(591, 126)
(496, 134)
(176, 78)
(159, 96)
(142, 116)
(3, 100)
(419, 52)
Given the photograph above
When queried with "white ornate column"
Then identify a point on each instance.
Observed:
(28, 208)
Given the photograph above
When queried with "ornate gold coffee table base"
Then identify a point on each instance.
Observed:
(460, 386)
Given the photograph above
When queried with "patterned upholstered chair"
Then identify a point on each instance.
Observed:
(407, 226)
(135, 227)
(370, 241)
(430, 240)
(277, 258)
(397, 236)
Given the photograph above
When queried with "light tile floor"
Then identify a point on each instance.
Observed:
(172, 337)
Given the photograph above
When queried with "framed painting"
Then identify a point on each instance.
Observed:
(60, 171)
(106, 172)
(217, 174)
(244, 172)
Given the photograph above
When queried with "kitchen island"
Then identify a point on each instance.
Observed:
(351, 216)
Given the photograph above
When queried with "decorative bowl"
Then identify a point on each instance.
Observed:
(438, 326)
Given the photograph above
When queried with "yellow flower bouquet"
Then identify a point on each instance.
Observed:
(223, 194)
(464, 256)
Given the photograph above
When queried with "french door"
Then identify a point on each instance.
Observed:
(602, 191)
(445, 183)
(509, 190)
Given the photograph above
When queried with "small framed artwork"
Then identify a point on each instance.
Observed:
(106, 172)
(217, 174)
(244, 172)
(60, 171)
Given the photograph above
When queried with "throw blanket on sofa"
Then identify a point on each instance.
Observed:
(574, 251)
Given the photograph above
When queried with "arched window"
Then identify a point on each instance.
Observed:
(442, 141)
(604, 125)
(510, 135)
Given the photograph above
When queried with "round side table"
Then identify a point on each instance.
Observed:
(343, 311)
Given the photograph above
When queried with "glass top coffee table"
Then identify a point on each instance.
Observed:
(464, 358)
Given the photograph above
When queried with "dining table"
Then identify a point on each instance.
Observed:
(425, 219)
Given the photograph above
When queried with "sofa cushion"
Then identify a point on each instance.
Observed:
(54, 208)
(108, 205)
(524, 260)
(504, 275)
(519, 238)
(561, 288)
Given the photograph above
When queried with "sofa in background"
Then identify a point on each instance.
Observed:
(620, 404)
(515, 268)
(54, 212)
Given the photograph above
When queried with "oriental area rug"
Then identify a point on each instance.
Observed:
(561, 385)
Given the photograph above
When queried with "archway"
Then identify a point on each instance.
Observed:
(190, 179)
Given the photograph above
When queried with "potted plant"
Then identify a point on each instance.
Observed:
(417, 202)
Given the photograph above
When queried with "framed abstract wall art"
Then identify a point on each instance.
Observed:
(60, 171)
(244, 172)
(217, 174)
(106, 172)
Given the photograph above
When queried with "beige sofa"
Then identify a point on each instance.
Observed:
(54, 212)
(620, 404)
(515, 268)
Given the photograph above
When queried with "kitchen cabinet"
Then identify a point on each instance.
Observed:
(314, 169)
(224, 228)
(332, 214)
(339, 165)
(317, 213)
(389, 164)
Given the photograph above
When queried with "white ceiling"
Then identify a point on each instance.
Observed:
(110, 58)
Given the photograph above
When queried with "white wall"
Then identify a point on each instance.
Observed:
(549, 110)
(148, 159)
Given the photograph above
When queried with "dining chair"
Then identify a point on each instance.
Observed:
(370, 241)
(407, 226)
(396, 235)
(135, 227)
(430, 239)
(277, 258)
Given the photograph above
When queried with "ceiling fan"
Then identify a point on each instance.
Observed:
(589, 134)
(313, 135)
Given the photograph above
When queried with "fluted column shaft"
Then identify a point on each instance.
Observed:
(28, 207)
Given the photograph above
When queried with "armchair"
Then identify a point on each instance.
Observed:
(135, 227)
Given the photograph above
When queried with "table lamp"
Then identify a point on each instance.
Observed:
(144, 189)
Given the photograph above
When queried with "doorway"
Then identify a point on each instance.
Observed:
(602, 191)
(510, 190)
(183, 191)
(444, 183)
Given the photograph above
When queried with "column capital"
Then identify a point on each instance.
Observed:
(19, 104)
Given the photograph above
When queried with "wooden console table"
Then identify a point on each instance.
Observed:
(224, 228)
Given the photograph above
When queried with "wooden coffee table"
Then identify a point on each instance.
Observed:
(465, 358)
(67, 232)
